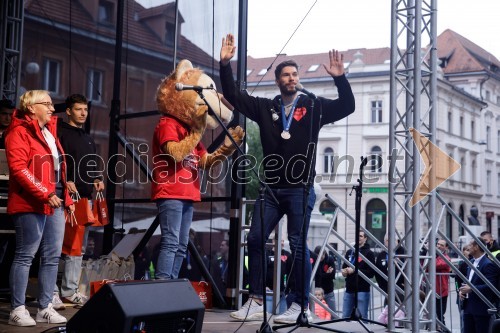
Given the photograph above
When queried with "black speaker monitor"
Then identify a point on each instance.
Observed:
(154, 306)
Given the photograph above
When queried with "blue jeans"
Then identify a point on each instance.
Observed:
(280, 307)
(290, 203)
(35, 231)
(363, 303)
(330, 300)
(175, 220)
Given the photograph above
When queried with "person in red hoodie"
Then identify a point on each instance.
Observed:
(443, 271)
(37, 199)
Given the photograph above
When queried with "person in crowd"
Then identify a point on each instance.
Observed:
(90, 249)
(219, 266)
(287, 126)
(285, 262)
(462, 267)
(82, 178)
(476, 316)
(384, 315)
(382, 263)
(491, 243)
(6, 110)
(443, 271)
(319, 311)
(362, 287)
(190, 268)
(38, 196)
(324, 277)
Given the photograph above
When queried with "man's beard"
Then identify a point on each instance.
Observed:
(286, 92)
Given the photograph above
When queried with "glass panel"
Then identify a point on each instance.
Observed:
(74, 44)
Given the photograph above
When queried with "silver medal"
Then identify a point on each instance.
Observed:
(285, 135)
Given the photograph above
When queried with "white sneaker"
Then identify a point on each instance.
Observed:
(251, 310)
(76, 298)
(49, 315)
(21, 317)
(57, 304)
(290, 316)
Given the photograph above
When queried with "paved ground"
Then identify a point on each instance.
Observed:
(219, 320)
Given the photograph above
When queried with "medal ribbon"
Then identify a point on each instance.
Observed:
(288, 121)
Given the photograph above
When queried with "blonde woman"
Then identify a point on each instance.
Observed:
(37, 199)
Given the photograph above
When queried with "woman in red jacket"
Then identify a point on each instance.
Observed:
(37, 198)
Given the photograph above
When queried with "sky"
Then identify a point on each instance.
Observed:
(349, 24)
(335, 24)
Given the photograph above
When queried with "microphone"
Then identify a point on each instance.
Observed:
(180, 87)
(301, 88)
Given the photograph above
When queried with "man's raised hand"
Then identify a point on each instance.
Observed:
(228, 49)
(336, 67)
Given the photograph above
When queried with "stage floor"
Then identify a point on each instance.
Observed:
(215, 321)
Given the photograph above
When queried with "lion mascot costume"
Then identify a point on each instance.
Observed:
(178, 154)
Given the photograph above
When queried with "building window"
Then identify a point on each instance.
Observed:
(488, 138)
(375, 159)
(52, 76)
(169, 34)
(461, 126)
(498, 142)
(462, 171)
(450, 123)
(105, 14)
(376, 112)
(488, 182)
(94, 86)
(263, 71)
(376, 218)
(474, 171)
(461, 214)
(473, 130)
(328, 165)
(488, 95)
(498, 184)
(313, 68)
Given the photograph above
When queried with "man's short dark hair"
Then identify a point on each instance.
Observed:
(484, 233)
(286, 63)
(75, 98)
(6, 104)
(482, 241)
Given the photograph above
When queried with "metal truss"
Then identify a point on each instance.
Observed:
(412, 106)
(11, 34)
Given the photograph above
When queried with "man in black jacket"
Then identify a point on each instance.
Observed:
(83, 177)
(382, 263)
(289, 129)
(325, 275)
(363, 287)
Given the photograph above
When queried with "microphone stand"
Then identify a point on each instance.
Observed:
(356, 314)
(265, 328)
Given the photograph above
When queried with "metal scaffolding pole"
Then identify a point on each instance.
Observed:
(11, 34)
(412, 106)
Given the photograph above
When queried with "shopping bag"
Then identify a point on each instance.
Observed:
(108, 267)
(204, 291)
(73, 236)
(83, 211)
(100, 210)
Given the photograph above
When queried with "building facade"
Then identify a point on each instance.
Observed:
(468, 130)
